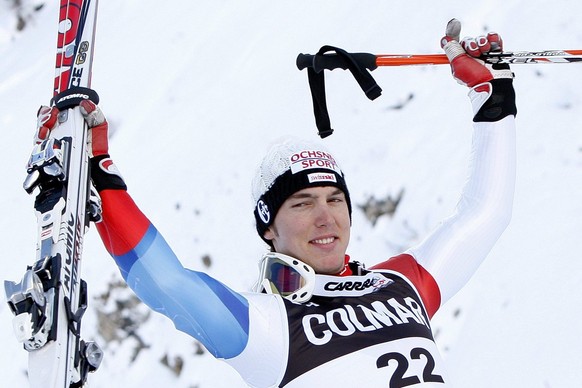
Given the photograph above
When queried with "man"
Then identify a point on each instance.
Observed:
(320, 317)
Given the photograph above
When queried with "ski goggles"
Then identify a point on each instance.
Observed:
(286, 276)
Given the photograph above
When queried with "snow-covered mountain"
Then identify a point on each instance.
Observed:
(196, 90)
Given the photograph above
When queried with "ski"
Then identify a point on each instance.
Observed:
(50, 300)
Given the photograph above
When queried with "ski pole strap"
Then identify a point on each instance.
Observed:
(357, 64)
(317, 87)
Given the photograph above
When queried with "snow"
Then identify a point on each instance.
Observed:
(197, 91)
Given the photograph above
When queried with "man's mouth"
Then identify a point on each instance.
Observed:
(323, 241)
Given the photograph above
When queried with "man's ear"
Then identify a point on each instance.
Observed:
(270, 233)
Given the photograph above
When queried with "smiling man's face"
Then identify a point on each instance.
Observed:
(313, 225)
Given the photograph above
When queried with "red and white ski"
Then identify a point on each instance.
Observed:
(49, 301)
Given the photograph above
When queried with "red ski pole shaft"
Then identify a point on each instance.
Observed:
(411, 59)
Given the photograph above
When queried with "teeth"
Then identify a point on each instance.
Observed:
(328, 240)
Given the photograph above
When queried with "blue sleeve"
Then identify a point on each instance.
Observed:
(198, 304)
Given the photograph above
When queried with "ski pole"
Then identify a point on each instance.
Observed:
(329, 57)
(372, 61)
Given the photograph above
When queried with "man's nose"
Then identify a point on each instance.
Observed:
(324, 215)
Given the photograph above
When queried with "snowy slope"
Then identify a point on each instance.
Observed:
(194, 94)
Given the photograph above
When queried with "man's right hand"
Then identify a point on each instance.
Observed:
(104, 173)
(98, 128)
(47, 121)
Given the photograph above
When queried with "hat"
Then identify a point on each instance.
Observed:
(288, 167)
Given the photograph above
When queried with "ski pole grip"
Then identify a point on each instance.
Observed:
(70, 98)
(334, 61)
